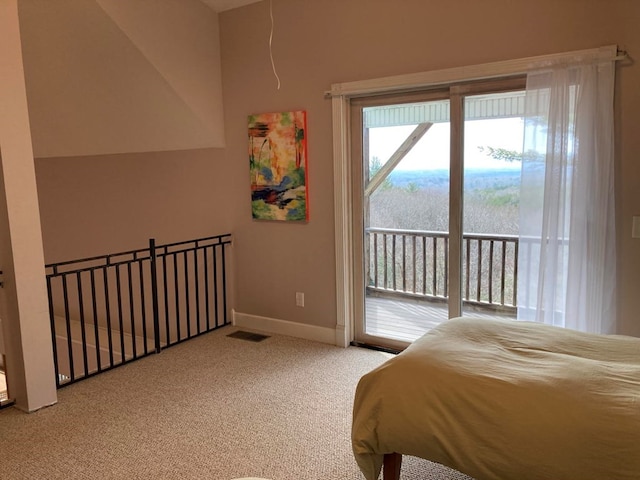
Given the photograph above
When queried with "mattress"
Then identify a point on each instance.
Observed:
(503, 399)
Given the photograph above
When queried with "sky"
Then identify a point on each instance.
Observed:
(432, 151)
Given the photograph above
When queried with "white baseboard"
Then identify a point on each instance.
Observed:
(284, 327)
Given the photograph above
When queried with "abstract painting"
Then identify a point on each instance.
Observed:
(278, 165)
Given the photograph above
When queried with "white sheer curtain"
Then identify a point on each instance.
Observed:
(566, 261)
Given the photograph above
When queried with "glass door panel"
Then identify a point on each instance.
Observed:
(493, 140)
(406, 216)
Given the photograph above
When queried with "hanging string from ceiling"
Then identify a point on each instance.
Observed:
(273, 65)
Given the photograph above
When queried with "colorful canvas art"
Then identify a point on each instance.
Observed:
(278, 164)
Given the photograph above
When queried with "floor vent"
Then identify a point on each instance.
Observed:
(252, 337)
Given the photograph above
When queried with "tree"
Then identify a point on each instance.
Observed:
(374, 167)
(510, 155)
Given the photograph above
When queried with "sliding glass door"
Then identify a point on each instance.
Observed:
(427, 166)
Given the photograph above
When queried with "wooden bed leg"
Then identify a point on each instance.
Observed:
(391, 466)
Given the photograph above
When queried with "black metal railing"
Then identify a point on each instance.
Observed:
(415, 263)
(112, 309)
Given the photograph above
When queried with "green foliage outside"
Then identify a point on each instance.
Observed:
(412, 187)
(374, 168)
(510, 155)
(490, 206)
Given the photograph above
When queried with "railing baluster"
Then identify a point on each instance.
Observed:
(446, 267)
(424, 265)
(375, 259)
(132, 316)
(224, 282)
(404, 263)
(120, 320)
(415, 273)
(165, 288)
(207, 307)
(143, 306)
(186, 298)
(393, 259)
(107, 300)
(468, 267)
(96, 330)
(196, 288)
(490, 271)
(215, 283)
(83, 329)
(503, 271)
(386, 284)
(176, 294)
(527, 291)
(434, 260)
(67, 318)
(479, 271)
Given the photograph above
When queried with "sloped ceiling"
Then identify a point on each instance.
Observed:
(106, 76)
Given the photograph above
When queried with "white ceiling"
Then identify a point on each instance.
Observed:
(222, 5)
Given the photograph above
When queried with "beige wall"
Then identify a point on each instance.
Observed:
(627, 120)
(111, 203)
(320, 42)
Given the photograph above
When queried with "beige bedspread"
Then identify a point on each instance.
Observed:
(506, 400)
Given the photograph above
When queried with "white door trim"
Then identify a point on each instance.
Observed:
(343, 222)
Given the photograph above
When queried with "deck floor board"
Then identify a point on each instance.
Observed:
(407, 320)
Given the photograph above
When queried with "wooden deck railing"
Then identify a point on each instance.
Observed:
(415, 263)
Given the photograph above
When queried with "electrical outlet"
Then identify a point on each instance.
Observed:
(299, 299)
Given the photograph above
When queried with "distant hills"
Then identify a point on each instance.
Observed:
(480, 179)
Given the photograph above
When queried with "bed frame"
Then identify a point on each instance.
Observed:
(391, 466)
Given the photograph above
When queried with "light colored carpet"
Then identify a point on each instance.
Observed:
(210, 408)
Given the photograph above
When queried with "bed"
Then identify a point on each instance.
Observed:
(502, 400)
